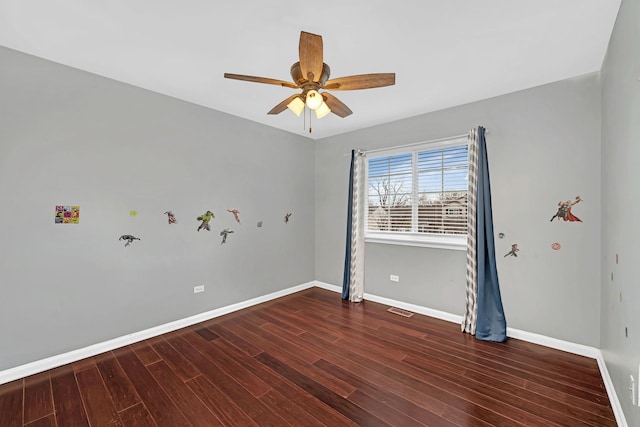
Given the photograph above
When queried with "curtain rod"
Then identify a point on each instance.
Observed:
(418, 143)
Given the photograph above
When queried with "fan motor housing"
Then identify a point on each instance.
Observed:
(296, 75)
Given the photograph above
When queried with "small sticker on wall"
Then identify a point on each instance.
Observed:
(133, 213)
(224, 233)
(66, 214)
(128, 238)
(514, 251)
(564, 210)
(556, 246)
(236, 214)
(171, 217)
(205, 218)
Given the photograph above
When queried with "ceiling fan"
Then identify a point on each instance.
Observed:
(311, 75)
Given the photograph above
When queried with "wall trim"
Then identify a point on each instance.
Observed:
(611, 391)
(582, 350)
(454, 318)
(52, 362)
(570, 347)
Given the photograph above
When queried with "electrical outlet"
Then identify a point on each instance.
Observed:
(198, 289)
(394, 278)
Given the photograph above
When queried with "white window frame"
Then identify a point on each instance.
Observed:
(428, 240)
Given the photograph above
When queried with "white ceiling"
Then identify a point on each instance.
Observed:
(444, 52)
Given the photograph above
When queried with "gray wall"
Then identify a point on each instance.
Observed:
(69, 137)
(621, 205)
(543, 146)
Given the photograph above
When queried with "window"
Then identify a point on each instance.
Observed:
(418, 196)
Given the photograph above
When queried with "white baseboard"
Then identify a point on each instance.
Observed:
(27, 369)
(570, 347)
(37, 366)
(403, 305)
(454, 318)
(567, 346)
(611, 391)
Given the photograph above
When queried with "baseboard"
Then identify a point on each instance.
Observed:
(327, 286)
(454, 318)
(611, 391)
(531, 337)
(25, 370)
(403, 305)
(570, 347)
(37, 366)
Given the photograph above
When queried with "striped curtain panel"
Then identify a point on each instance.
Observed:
(353, 279)
(484, 314)
(469, 319)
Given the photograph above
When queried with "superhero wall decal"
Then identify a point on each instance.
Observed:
(224, 233)
(128, 238)
(71, 215)
(564, 210)
(171, 218)
(205, 218)
(514, 251)
(236, 214)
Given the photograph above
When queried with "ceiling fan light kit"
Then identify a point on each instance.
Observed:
(311, 75)
(296, 105)
(322, 110)
(314, 99)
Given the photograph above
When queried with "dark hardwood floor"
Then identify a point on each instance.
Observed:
(309, 359)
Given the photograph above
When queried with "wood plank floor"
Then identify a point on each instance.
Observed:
(309, 359)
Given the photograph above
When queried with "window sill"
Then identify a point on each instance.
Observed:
(456, 243)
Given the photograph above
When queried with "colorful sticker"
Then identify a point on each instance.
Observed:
(556, 246)
(67, 215)
(564, 210)
(205, 218)
(133, 213)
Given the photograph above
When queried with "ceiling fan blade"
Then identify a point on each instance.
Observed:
(337, 107)
(260, 80)
(310, 50)
(283, 105)
(362, 81)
